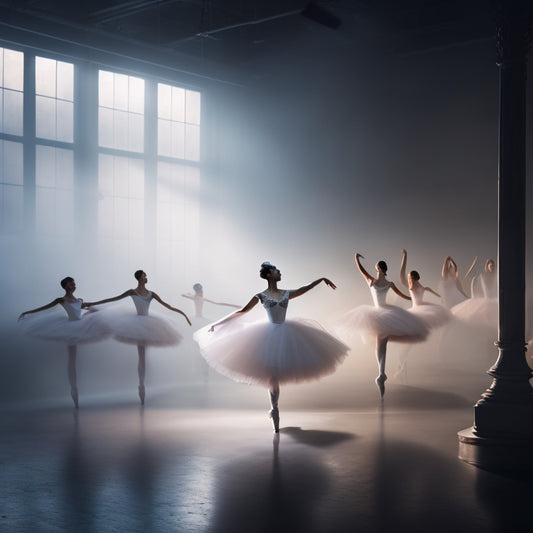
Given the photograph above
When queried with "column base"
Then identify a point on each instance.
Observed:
(497, 454)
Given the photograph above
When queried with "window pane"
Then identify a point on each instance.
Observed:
(65, 121)
(192, 110)
(45, 76)
(13, 70)
(120, 92)
(13, 106)
(11, 167)
(65, 81)
(192, 142)
(178, 139)
(164, 100)
(45, 117)
(105, 88)
(178, 104)
(136, 95)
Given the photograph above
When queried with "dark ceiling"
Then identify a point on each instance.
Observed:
(239, 35)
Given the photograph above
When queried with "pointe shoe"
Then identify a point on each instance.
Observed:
(74, 395)
(274, 414)
(141, 393)
(380, 382)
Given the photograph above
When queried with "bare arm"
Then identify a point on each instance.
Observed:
(447, 260)
(107, 300)
(471, 267)
(168, 306)
(429, 289)
(403, 277)
(189, 296)
(399, 292)
(305, 288)
(251, 304)
(361, 268)
(221, 303)
(42, 308)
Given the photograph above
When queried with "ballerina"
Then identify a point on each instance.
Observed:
(198, 298)
(482, 310)
(452, 289)
(385, 322)
(77, 327)
(433, 315)
(142, 329)
(274, 352)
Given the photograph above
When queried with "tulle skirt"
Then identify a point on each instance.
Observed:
(433, 315)
(390, 321)
(55, 326)
(478, 312)
(145, 330)
(262, 352)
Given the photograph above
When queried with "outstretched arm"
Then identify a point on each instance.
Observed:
(168, 306)
(242, 311)
(305, 288)
(399, 292)
(189, 296)
(361, 268)
(221, 303)
(107, 300)
(42, 308)
(403, 277)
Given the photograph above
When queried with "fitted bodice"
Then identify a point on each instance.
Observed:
(73, 309)
(379, 293)
(276, 309)
(142, 303)
(417, 295)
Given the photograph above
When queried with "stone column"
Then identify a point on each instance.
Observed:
(502, 435)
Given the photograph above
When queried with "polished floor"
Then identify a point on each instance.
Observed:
(178, 466)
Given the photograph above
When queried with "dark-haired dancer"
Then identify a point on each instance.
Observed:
(75, 328)
(142, 329)
(198, 298)
(385, 322)
(433, 315)
(273, 352)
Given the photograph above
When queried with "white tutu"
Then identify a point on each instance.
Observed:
(478, 311)
(259, 352)
(433, 315)
(389, 321)
(56, 326)
(146, 330)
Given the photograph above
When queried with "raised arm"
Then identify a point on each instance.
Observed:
(471, 267)
(168, 306)
(403, 276)
(447, 260)
(251, 304)
(399, 292)
(42, 308)
(361, 268)
(302, 290)
(107, 300)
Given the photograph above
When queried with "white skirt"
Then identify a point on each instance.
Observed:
(390, 321)
(55, 326)
(262, 352)
(478, 312)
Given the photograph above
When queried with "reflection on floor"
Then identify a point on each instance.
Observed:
(121, 467)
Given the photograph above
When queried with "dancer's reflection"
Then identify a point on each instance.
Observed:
(142, 329)
(76, 327)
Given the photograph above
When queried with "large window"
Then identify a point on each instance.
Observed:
(178, 124)
(121, 111)
(54, 99)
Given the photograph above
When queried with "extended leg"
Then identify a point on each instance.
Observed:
(381, 355)
(274, 397)
(141, 370)
(72, 376)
